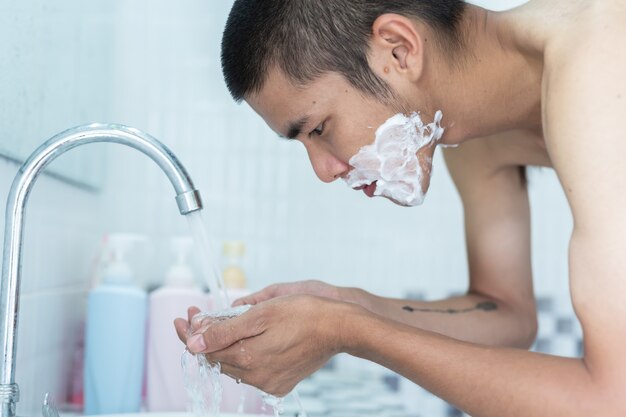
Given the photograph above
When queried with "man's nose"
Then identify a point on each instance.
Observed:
(327, 167)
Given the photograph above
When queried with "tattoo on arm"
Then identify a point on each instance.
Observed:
(484, 306)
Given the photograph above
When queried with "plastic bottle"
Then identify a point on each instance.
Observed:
(75, 395)
(233, 274)
(165, 388)
(115, 336)
(237, 397)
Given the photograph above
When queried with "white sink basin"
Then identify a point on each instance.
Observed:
(178, 414)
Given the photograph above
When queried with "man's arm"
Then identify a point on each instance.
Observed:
(499, 307)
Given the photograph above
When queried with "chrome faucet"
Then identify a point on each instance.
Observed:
(187, 197)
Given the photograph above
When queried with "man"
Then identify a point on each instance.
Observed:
(544, 84)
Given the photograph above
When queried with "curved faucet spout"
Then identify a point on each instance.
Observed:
(187, 198)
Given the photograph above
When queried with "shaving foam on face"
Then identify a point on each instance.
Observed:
(392, 159)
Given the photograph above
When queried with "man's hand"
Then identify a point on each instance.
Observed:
(183, 326)
(275, 344)
(311, 287)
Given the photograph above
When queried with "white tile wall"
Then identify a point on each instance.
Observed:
(55, 71)
(53, 75)
(497, 5)
(260, 189)
(61, 232)
(256, 187)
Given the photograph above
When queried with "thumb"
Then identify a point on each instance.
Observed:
(222, 334)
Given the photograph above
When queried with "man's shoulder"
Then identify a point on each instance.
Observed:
(564, 30)
(584, 68)
(593, 28)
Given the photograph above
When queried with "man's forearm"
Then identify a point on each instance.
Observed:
(472, 318)
(483, 381)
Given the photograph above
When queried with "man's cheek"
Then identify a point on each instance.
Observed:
(399, 160)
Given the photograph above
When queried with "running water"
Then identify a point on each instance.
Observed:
(201, 377)
(277, 403)
(207, 256)
(296, 397)
(203, 385)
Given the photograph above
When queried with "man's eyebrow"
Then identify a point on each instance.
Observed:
(294, 128)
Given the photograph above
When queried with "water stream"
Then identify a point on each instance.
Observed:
(202, 378)
(207, 256)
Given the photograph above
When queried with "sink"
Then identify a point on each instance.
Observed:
(177, 414)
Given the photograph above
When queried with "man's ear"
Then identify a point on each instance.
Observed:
(398, 45)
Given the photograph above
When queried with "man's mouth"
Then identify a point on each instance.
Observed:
(370, 189)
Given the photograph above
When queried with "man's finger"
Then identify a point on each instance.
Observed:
(182, 329)
(231, 371)
(257, 297)
(248, 299)
(234, 356)
(223, 334)
(192, 311)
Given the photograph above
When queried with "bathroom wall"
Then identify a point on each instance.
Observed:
(497, 5)
(258, 188)
(61, 232)
(54, 74)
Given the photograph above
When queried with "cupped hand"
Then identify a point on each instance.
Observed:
(276, 343)
(183, 326)
(310, 287)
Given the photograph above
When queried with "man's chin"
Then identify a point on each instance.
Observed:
(371, 189)
(407, 204)
(397, 203)
(394, 201)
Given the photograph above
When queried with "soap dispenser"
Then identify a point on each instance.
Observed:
(233, 273)
(237, 398)
(115, 336)
(164, 376)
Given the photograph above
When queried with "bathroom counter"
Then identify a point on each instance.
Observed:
(327, 393)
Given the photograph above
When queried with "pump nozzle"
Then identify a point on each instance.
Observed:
(181, 274)
(120, 243)
(181, 246)
(118, 271)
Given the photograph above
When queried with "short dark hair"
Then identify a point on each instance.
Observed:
(307, 38)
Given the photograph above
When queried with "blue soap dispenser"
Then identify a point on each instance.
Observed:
(115, 336)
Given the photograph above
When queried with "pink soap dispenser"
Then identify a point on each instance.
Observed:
(164, 376)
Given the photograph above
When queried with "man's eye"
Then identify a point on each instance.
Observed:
(318, 130)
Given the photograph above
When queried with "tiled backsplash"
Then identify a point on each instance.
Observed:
(54, 74)
(62, 228)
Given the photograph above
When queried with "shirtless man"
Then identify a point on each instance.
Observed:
(543, 84)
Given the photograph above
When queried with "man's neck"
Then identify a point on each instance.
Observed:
(496, 88)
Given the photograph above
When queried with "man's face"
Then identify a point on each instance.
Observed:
(332, 119)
